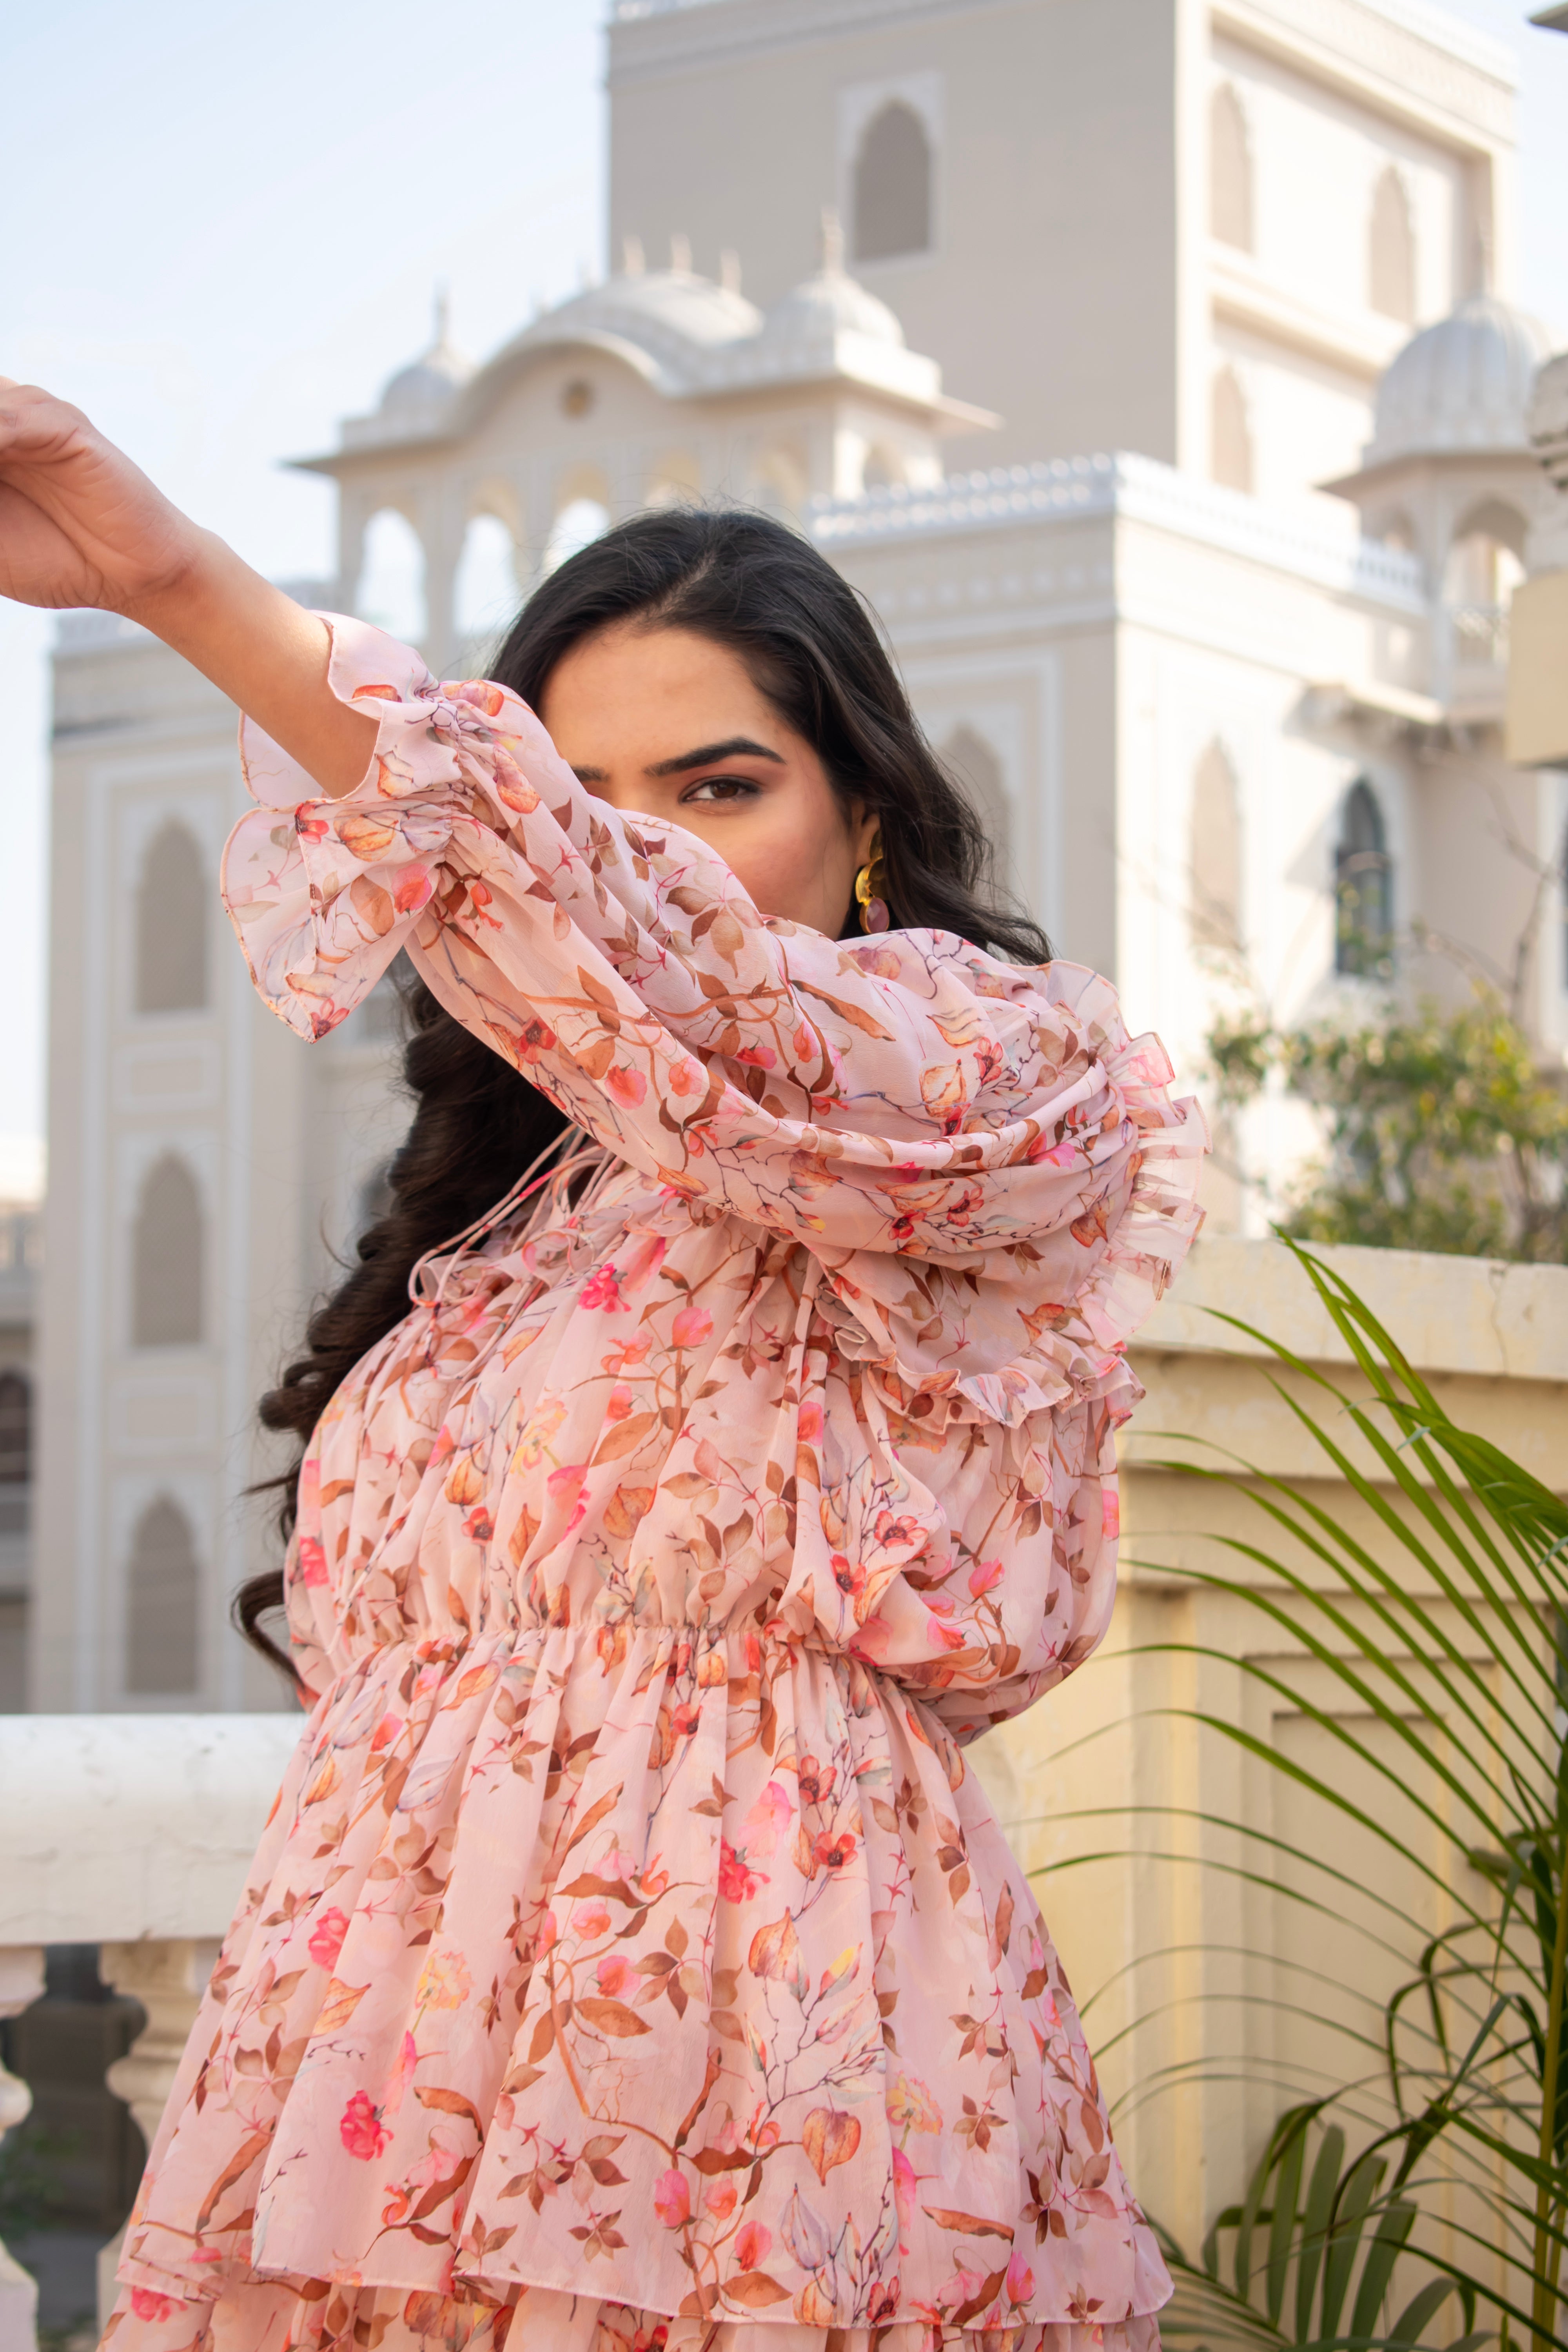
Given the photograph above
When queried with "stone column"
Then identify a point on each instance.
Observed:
(168, 1978)
(21, 1982)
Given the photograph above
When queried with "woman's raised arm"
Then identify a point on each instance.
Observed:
(81, 525)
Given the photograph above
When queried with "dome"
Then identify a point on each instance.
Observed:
(1463, 384)
(831, 303)
(429, 380)
(694, 309)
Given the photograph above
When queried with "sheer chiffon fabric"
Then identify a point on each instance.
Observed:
(631, 1959)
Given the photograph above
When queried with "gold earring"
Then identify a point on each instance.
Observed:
(868, 885)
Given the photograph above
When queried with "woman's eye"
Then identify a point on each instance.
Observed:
(718, 788)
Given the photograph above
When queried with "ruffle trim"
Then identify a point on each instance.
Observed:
(1081, 1357)
(310, 2316)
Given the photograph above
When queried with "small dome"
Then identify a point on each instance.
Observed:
(1462, 384)
(430, 379)
(830, 303)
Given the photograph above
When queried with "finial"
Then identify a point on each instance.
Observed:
(1483, 256)
(729, 270)
(680, 253)
(832, 243)
(633, 262)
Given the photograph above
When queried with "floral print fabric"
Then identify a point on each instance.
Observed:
(631, 1959)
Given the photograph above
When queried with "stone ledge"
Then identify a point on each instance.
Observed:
(1448, 1314)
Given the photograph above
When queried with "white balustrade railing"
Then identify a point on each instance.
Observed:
(133, 1832)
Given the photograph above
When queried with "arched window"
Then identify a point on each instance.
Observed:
(485, 593)
(16, 1428)
(1214, 915)
(1230, 434)
(1230, 170)
(979, 773)
(171, 924)
(162, 1590)
(578, 524)
(892, 185)
(1391, 250)
(1364, 886)
(390, 591)
(1481, 572)
(166, 1254)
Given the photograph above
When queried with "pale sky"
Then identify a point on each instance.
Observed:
(226, 222)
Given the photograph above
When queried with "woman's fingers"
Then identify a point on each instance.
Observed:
(78, 522)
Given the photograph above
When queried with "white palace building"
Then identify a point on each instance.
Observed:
(1163, 391)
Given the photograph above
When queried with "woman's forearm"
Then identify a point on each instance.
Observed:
(267, 654)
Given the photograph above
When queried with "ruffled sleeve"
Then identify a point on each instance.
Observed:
(991, 1173)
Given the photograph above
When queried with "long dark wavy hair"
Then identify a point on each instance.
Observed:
(810, 644)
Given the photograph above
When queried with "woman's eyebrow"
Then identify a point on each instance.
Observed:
(733, 745)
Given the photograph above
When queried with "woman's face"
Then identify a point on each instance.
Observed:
(669, 725)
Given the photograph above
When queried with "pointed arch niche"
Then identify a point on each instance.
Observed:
(892, 185)
(1391, 250)
(1230, 433)
(163, 1600)
(1364, 886)
(1214, 853)
(167, 1254)
(171, 924)
(390, 593)
(980, 774)
(1230, 170)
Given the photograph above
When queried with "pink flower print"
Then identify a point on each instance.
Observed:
(401, 2076)
(720, 2199)
(1020, 2278)
(962, 2287)
(312, 1560)
(548, 1932)
(751, 2245)
(327, 1938)
(761, 1058)
(309, 826)
(591, 1920)
(737, 1883)
(478, 1527)
(834, 1853)
(691, 1327)
(615, 1975)
(361, 2129)
(804, 1044)
(628, 1086)
(565, 1487)
(618, 1404)
(985, 1577)
(946, 1637)
(482, 896)
(385, 1732)
(146, 2305)
(1110, 1513)
(537, 1037)
(439, 2162)
(808, 1423)
(906, 2195)
(767, 1821)
(687, 1077)
(413, 889)
(603, 1288)
(672, 2200)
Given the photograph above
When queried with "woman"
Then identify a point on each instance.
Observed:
(630, 1959)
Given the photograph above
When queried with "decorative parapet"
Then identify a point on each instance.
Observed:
(1130, 488)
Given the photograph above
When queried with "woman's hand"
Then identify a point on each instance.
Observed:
(79, 524)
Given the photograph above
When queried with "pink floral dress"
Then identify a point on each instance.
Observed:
(630, 1959)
